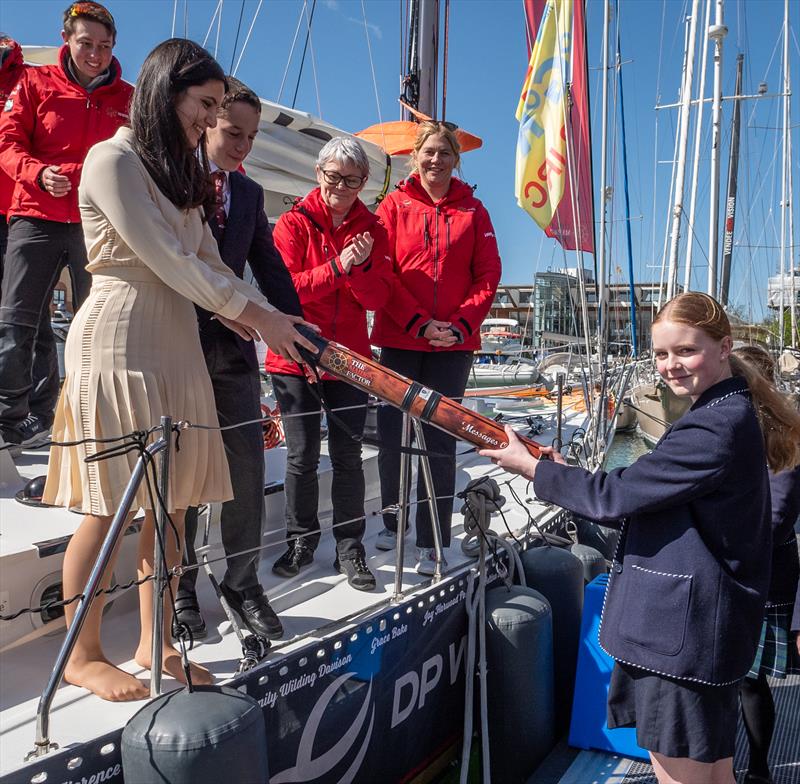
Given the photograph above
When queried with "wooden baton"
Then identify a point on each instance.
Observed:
(419, 401)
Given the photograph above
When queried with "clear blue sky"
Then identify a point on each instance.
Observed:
(487, 61)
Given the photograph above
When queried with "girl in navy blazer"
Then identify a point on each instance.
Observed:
(685, 600)
(776, 654)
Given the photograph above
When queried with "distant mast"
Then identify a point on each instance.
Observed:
(730, 201)
(716, 33)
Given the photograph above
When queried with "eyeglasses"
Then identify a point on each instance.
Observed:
(334, 178)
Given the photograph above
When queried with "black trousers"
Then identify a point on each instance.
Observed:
(3, 243)
(237, 392)
(446, 372)
(295, 396)
(36, 253)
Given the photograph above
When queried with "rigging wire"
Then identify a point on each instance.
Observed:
(174, 17)
(291, 51)
(211, 23)
(236, 40)
(309, 22)
(247, 38)
(313, 65)
(372, 69)
(219, 29)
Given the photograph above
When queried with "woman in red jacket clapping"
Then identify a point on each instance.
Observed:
(446, 259)
(337, 254)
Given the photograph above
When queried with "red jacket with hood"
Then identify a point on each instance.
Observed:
(335, 300)
(50, 120)
(11, 69)
(446, 262)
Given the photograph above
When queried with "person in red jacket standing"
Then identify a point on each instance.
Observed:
(337, 253)
(52, 117)
(446, 258)
(11, 69)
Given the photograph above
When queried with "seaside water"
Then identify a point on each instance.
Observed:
(627, 447)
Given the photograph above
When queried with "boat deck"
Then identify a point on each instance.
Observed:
(314, 606)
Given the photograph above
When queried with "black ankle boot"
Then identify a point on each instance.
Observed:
(358, 574)
(294, 559)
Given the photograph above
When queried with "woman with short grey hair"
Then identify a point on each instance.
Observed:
(337, 253)
(341, 150)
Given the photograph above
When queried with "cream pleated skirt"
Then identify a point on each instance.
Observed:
(132, 356)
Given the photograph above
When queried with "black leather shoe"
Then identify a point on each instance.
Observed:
(294, 559)
(358, 574)
(755, 778)
(256, 613)
(187, 613)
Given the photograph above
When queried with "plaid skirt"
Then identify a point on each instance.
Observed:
(777, 654)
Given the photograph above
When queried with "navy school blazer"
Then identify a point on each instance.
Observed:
(785, 490)
(689, 579)
(248, 238)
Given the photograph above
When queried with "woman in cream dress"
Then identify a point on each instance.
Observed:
(133, 352)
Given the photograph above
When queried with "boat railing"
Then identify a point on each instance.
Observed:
(161, 574)
(43, 744)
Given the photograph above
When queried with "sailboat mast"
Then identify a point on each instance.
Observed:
(601, 272)
(677, 206)
(634, 335)
(784, 176)
(730, 200)
(698, 132)
(428, 73)
(716, 33)
(792, 268)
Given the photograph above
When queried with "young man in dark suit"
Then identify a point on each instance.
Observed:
(238, 222)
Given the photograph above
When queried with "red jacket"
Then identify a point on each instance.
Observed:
(49, 120)
(446, 262)
(11, 69)
(331, 298)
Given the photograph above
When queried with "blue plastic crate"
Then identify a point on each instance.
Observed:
(588, 728)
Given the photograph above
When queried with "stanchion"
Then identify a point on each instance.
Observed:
(559, 442)
(402, 510)
(159, 571)
(43, 745)
(425, 470)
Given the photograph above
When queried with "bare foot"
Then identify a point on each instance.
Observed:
(106, 680)
(172, 665)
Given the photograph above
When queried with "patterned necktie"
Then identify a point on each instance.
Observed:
(219, 199)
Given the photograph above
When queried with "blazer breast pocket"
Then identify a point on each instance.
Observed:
(656, 609)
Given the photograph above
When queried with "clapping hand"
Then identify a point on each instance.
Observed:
(357, 251)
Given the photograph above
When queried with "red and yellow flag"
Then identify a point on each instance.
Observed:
(541, 166)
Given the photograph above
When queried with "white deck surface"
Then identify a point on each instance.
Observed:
(312, 605)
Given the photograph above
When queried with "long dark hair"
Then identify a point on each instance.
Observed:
(158, 136)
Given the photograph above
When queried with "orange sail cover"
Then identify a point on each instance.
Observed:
(397, 137)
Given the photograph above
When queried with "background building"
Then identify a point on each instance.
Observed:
(548, 311)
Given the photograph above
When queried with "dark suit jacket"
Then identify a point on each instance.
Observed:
(248, 238)
(689, 580)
